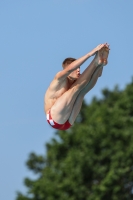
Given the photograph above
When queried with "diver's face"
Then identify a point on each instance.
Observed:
(75, 74)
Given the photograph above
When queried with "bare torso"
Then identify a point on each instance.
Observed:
(56, 89)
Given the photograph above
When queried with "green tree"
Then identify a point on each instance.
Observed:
(91, 161)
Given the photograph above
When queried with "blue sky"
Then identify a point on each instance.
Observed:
(35, 37)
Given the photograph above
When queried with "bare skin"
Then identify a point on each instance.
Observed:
(80, 97)
(66, 92)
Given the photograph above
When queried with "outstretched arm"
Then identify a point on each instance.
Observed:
(77, 63)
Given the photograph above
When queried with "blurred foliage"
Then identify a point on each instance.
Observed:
(91, 161)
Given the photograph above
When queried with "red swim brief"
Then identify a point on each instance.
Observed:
(64, 126)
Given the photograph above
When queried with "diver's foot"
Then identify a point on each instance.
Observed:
(99, 57)
(105, 55)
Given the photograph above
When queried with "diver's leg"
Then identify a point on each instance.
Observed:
(78, 103)
(100, 71)
(89, 86)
